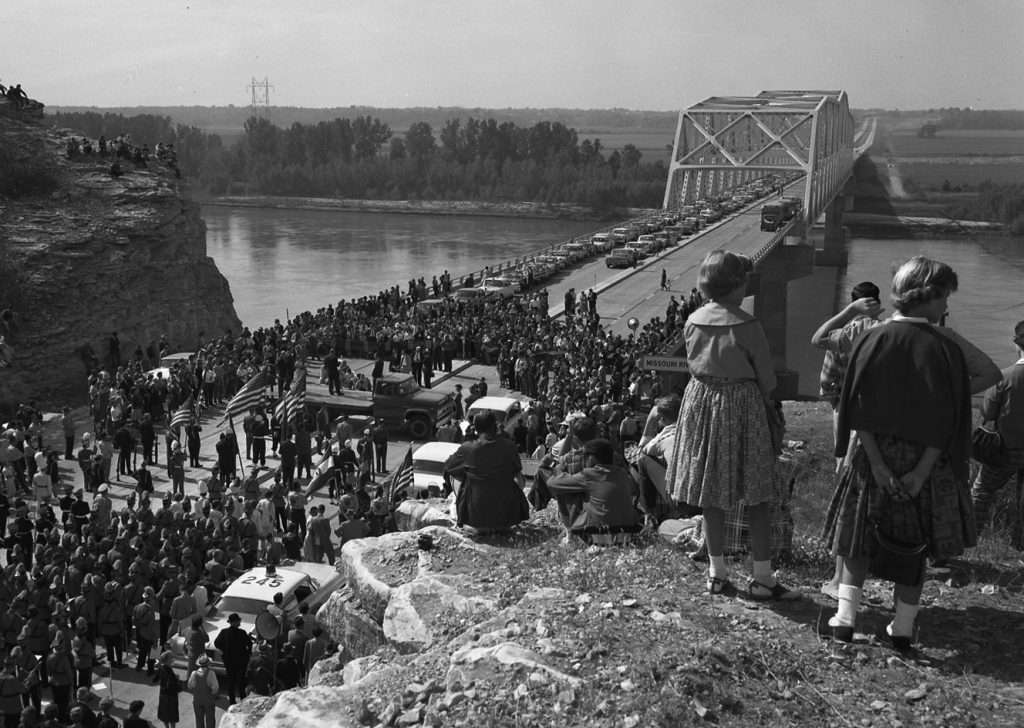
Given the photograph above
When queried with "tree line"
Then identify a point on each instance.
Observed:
(361, 158)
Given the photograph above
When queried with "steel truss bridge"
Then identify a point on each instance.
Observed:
(725, 142)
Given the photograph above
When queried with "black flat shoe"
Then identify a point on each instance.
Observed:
(901, 644)
(842, 634)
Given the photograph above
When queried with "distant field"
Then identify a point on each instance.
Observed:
(654, 145)
(933, 175)
(967, 142)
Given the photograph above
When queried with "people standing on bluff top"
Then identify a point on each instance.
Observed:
(723, 446)
(906, 394)
(1003, 406)
(836, 337)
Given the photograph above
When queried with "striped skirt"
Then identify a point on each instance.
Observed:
(944, 515)
(723, 452)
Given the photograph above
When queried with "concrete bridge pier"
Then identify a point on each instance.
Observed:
(770, 288)
(834, 252)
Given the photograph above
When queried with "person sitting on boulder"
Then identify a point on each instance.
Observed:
(491, 497)
(599, 497)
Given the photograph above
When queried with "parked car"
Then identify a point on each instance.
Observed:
(603, 242)
(621, 258)
(251, 594)
(641, 250)
(471, 294)
(508, 411)
(428, 465)
(499, 287)
(650, 243)
(582, 250)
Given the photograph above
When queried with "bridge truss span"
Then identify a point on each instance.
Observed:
(723, 143)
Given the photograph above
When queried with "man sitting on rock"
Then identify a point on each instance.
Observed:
(491, 497)
(598, 498)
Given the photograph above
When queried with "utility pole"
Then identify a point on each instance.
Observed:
(260, 97)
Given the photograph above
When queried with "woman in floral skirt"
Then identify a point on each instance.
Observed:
(724, 455)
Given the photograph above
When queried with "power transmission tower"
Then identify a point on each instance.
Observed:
(260, 97)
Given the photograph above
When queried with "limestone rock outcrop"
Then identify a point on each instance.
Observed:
(83, 254)
(412, 515)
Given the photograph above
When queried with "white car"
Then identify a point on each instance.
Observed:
(428, 465)
(250, 594)
(603, 242)
(507, 411)
(499, 286)
(471, 294)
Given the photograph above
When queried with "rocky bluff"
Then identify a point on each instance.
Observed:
(83, 254)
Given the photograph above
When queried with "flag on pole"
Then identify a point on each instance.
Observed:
(248, 396)
(182, 415)
(402, 478)
(293, 401)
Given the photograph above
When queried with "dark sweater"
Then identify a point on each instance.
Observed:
(908, 380)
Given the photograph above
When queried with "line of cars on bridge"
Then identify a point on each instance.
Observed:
(636, 241)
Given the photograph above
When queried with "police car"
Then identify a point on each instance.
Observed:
(252, 593)
(428, 465)
(508, 411)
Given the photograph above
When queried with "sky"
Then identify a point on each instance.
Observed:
(641, 54)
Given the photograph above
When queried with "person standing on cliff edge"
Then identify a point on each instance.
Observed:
(836, 337)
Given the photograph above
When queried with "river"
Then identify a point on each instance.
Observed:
(296, 260)
(299, 260)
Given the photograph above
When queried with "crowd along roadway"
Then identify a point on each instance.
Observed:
(622, 294)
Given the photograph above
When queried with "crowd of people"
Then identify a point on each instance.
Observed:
(15, 95)
(122, 148)
(80, 575)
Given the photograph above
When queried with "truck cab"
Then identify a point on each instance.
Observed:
(401, 404)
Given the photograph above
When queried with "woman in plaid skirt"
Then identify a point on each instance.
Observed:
(907, 395)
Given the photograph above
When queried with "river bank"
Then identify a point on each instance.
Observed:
(873, 225)
(533, 210)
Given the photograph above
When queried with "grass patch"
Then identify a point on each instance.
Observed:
(959, 142)
(933, 175)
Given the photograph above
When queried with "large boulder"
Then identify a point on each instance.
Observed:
(374, 567)
(309, 707)
(349, 625)
(415, 607)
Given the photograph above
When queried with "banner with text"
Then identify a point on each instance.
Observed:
(664, 363)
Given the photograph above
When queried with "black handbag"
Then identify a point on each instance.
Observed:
(986, 446)
(895, 560)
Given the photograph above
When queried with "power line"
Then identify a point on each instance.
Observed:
(260, 97)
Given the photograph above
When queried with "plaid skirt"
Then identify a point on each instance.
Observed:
(723, 452)
(943, 515)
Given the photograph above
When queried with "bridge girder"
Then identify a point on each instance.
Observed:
(724, 142)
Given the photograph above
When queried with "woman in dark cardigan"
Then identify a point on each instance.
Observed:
(907, 395)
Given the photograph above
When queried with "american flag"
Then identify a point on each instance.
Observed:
(293, 401)
(182, 415)
(248, 396)
(402, 479)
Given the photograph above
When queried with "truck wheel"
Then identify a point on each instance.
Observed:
(419, 428)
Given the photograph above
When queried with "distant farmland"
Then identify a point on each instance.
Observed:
(959, 142)
(962, 157)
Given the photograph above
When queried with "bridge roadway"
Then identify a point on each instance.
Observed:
(624, 294)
